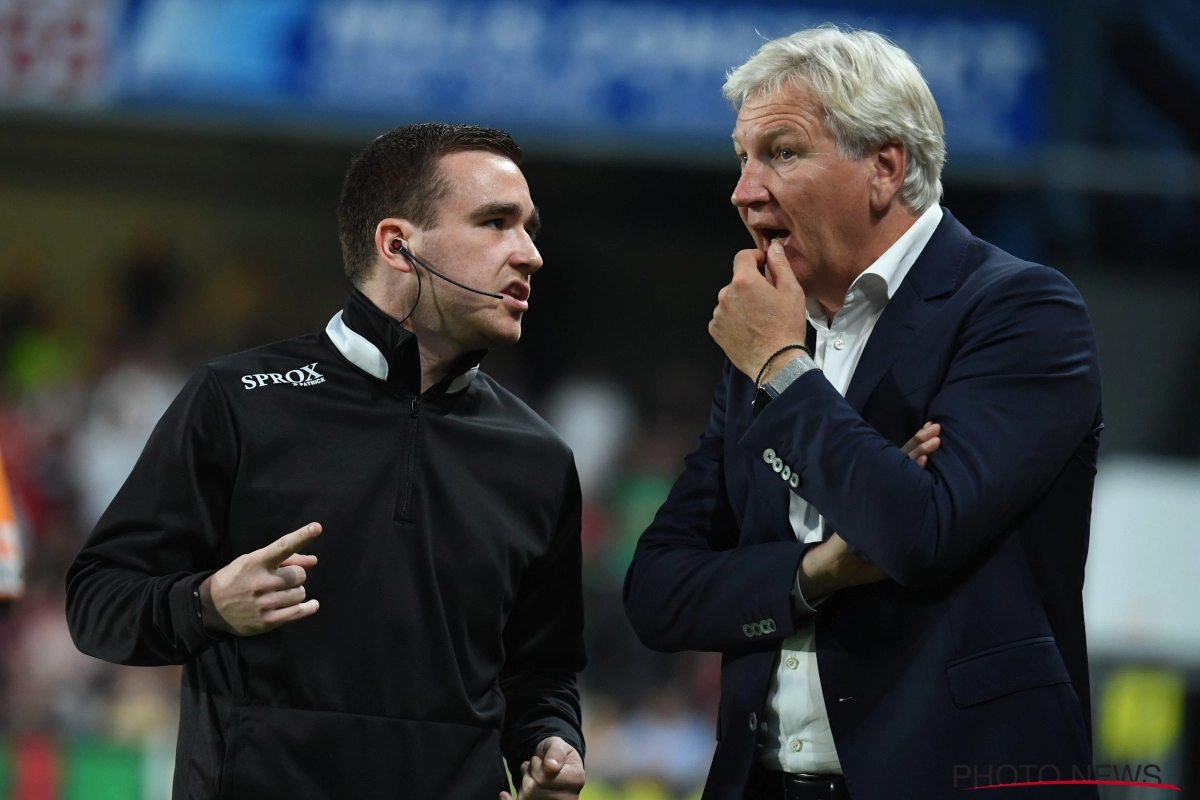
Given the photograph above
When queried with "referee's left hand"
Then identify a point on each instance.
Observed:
(554, 773)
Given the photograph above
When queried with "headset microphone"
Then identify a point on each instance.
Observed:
(398, 247)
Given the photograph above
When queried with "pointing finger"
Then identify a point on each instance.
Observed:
(287, 545)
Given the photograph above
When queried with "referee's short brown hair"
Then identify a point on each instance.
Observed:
(398, 175)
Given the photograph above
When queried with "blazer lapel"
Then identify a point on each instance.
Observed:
(934, 273)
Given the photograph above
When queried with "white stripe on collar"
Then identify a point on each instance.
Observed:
(359, 351)
(356, 348)
(462, 381)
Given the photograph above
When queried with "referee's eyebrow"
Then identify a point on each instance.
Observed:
(512, 211)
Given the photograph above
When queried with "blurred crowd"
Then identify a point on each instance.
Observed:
(79, 396)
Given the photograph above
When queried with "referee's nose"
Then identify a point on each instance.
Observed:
(526, 258)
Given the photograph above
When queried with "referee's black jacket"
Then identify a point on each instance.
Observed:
(450, 626)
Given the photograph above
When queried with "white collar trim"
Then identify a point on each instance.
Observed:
(890, 269)
(359, 351)
(895, 263)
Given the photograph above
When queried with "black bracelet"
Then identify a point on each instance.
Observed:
(784, 349)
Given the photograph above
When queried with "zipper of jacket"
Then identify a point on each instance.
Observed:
(412, 458)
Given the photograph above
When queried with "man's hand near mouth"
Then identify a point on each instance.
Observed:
(758, 313)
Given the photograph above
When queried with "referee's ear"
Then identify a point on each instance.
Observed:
(392, 237)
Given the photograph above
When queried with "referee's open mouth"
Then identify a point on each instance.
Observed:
(516, 295)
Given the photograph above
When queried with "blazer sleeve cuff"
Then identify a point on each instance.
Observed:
(772, 429)
(805, 607)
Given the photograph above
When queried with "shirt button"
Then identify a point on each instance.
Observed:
(792, 662)
(796, 745)
(753, 721)
(840, 344)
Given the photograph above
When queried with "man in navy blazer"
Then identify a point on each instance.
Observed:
(893, 622)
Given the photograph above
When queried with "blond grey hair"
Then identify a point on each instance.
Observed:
(870, 90)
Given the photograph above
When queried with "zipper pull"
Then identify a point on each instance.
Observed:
(415, 400)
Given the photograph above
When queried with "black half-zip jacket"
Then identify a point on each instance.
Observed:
(450, 626)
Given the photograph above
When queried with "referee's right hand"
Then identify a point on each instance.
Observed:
(262, 590)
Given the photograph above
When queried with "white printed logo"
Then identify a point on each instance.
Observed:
(305, 376)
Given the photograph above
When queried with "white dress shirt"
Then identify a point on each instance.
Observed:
(794, 734)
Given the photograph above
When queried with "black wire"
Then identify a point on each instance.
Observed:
(414, 260)
(417, 272)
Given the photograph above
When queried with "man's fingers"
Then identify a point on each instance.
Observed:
(288, 597)
(554, 752)
(925, 448)
(747, 260)
(282, 616)
(778, 269)
(299, 560)
(287, 578)
(929, 430)
(289, 544)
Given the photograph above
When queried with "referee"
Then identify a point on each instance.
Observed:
(364, 551)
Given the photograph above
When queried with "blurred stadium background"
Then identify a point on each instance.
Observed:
(168, 174)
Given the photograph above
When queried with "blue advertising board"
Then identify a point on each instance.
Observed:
(582, 71)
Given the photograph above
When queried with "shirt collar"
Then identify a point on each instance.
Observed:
(881, 280)
(381, 347)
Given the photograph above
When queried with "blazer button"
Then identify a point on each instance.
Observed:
(794, 481)
(777, 464)
(748, 629)
(768, 455)
(787, 472)
(753, 721)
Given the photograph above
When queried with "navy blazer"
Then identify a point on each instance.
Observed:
(968, 667)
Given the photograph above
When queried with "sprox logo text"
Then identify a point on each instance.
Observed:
(305, 376)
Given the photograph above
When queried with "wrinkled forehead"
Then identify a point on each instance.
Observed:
(766, 116)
